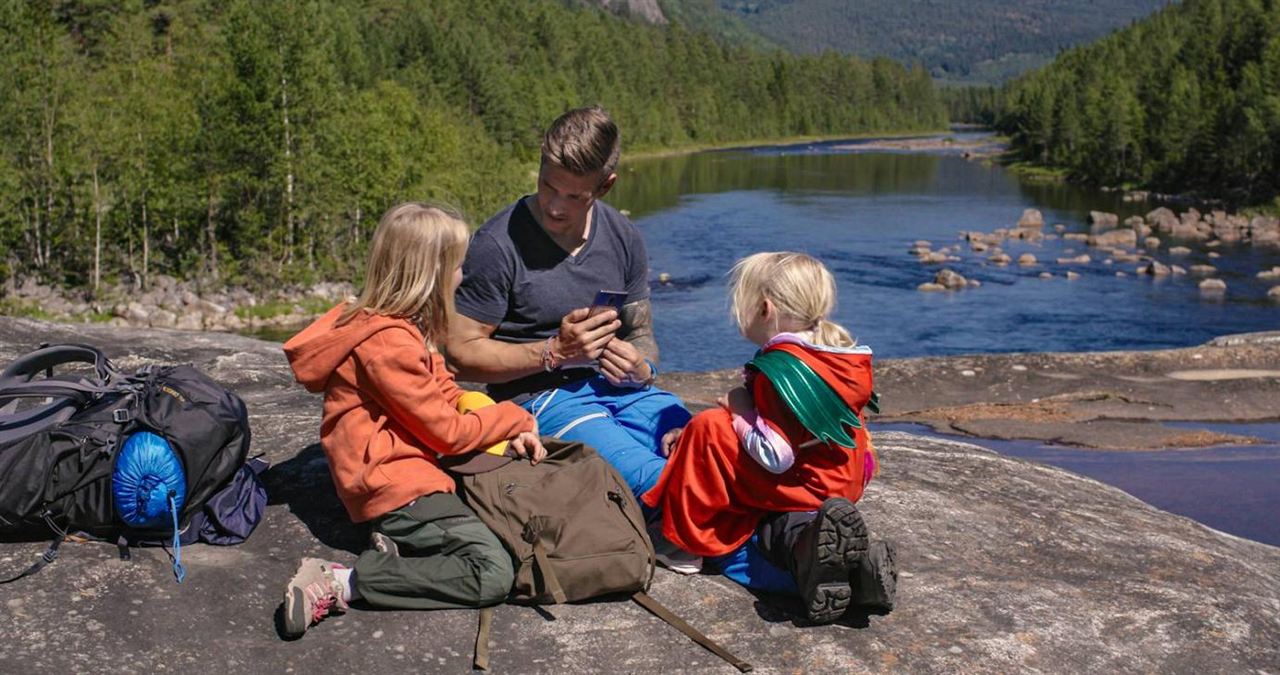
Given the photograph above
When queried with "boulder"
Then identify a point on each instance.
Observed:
(1274, 293)
(190, 320)
(1213, 286)
(136, 314)
(1134, 222)
(1203, 270)
(930, 287)
(1273, 273)
(1072, 276)
(1155, 269)
(210, 307)
(1151, 242)
(1076, 236)
(1179, 250)
(1082, 259)
(1101, 220)
(1190, 216)
(1162, 219)
(1031, 219)
(1114, 238)
(950, 279)
(1045, 275)
(1027, 234)
(1026, 259)
(1185, 231)
(163, 318)
(1000, 259)
(1059, 228)
(1177, 270)
(189, 298)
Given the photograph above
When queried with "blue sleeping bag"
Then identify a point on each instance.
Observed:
(148, 473)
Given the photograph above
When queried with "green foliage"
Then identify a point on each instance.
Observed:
(975, 41)
(274, 308)
(1186, 101)
(259, 142)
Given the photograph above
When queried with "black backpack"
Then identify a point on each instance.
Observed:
(79, 450)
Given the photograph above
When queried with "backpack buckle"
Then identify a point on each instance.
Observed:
(120, 415)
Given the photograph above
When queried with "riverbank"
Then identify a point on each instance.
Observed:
(658, 153)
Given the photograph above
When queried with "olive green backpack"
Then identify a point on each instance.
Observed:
(573, 530)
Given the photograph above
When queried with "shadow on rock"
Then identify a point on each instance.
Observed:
(303, 484)
(785, 609)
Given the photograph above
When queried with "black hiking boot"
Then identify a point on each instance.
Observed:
(824, 557)
(874, 580)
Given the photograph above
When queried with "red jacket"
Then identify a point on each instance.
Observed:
(713, 494)
(389, 410)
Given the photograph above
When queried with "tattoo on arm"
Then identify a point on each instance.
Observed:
(637, 328)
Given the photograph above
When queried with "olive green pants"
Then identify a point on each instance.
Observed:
(448, 559)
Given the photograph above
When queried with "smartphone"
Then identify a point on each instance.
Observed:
(608, 299)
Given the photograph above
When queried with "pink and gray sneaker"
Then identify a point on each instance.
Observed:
(312, 594)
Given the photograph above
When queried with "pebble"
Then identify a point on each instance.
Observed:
(1019, 367)
(968, 373)
(955, 650)
(377, 634)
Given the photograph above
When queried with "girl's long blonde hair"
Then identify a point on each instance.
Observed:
(414, 252)
(798, 285)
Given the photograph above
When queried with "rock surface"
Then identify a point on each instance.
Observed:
(1006, 566)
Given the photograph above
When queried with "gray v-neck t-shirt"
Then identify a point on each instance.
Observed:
(517, 278)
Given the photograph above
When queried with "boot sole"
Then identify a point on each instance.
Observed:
(875, 581)
(295, 613)
(841, 544)
(842, 534)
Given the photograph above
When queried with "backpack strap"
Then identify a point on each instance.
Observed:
(50, 554)
(480, 660)
(657, 609)
(27, 366)
(549, 580)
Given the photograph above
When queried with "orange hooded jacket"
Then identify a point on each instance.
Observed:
(389, 410)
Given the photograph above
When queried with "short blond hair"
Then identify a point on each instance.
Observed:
(413, 254)
(583, 141)
(800, 286)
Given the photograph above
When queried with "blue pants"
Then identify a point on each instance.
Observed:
(749, 567)
(624, 425)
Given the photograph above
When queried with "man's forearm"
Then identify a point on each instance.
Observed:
(637, 319)
(487, 360)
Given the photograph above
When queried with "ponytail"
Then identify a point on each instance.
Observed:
(831, 334)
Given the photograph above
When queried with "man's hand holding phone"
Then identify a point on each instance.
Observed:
(584, 332)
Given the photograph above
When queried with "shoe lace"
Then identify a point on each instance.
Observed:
(323, 599)
(321, 608)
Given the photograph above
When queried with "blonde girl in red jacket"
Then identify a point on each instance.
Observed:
(390, 413)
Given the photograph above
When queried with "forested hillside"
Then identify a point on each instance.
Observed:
(985, 41)
(1188, 100)
(258, 142)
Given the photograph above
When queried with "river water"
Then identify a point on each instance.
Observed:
(861, 211)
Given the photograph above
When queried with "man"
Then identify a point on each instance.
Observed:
(524, 321)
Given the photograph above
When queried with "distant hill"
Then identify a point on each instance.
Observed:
(979, 41)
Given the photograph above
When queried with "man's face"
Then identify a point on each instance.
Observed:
(565, 198)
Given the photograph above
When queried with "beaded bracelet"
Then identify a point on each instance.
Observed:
(548, 358)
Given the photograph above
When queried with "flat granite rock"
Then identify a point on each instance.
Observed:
(1007, 566)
